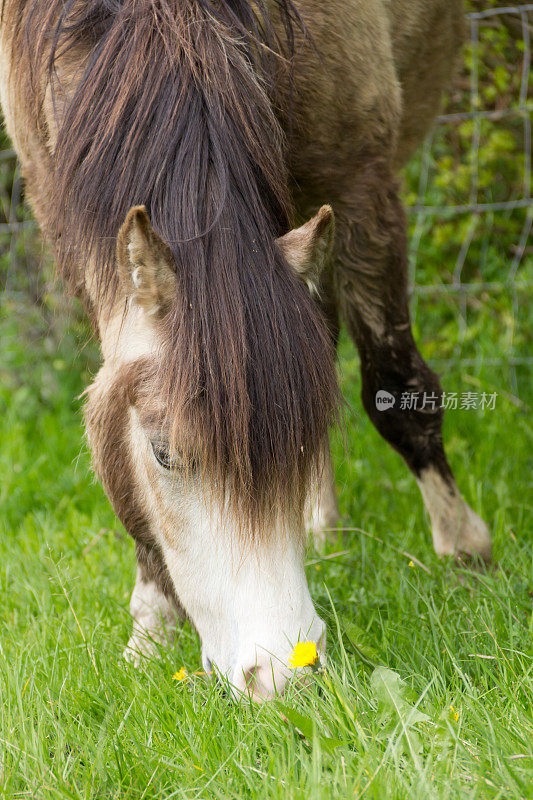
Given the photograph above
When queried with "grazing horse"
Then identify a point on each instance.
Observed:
(168, 149)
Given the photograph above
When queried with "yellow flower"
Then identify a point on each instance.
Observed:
(411, 563)
(303, 655)
(180, 675)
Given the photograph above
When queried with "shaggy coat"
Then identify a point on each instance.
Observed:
(168, 146)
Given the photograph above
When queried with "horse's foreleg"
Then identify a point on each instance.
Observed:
(323, 509)
(154, 611)
(372, 292)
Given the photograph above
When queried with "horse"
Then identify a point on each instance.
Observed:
(218, 182)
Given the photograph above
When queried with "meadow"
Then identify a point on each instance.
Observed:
(426, 689)
(427, 685)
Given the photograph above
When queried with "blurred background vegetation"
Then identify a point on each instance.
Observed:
(479, 263)
(468, 305)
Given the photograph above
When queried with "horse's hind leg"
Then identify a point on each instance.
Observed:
(372, 291)
(153, 608)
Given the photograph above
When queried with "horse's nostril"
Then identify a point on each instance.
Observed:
(250, 676)
(254, 685)
(261, 681)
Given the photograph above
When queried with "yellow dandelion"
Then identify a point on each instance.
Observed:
(180, 675)
(303, 655)
(411, 563)
(456, 716)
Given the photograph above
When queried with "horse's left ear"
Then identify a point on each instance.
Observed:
(144, 263)
(308, 247)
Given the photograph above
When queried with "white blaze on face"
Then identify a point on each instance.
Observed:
(249, 600)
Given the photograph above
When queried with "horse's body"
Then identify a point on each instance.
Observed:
(216, 362)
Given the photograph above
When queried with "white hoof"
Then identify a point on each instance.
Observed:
(457, 530)
(139, 649)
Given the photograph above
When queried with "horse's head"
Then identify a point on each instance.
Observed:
(211, 474)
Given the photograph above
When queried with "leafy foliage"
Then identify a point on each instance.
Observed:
(478, 249)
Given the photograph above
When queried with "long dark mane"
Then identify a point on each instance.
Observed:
(171, 110)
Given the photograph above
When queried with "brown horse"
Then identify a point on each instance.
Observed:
(167, 147)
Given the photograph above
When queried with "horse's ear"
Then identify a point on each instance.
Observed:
(308, 247)
(144, 263)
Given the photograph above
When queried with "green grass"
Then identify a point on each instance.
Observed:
(78, 722)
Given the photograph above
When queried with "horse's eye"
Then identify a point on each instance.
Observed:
(163, 457)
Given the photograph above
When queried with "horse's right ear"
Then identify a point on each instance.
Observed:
(144, 263)
(308, 248)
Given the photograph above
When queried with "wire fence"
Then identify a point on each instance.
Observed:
(460, 286)
(474, 207)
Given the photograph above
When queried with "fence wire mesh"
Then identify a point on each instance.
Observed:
(470, 263)
(482, 198)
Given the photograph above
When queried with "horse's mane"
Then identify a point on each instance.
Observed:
(172, 111)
